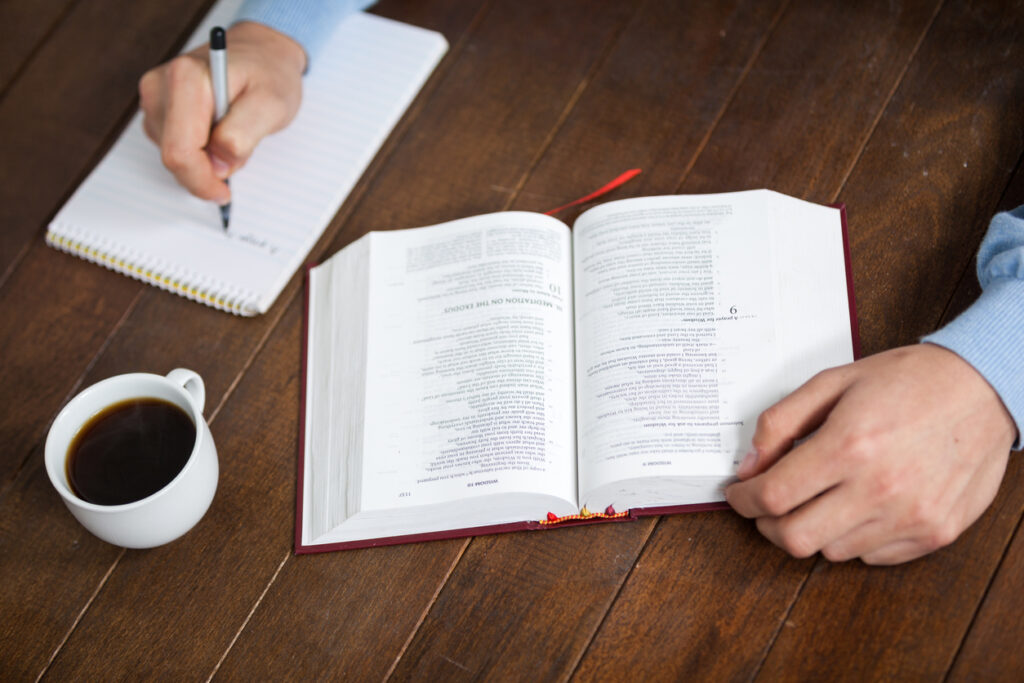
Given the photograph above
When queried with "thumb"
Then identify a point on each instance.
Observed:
(252, 117)
(794, 417)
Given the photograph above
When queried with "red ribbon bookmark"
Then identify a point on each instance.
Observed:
(624, 178)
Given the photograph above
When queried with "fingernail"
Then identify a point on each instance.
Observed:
(748, 465)
(221, 169)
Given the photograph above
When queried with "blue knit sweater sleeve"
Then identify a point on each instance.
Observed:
(990, 334)
(307, 22)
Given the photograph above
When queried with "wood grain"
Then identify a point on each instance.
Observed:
(55, 119)
(461, 119)
(530, 632)
(127, 327)
(908, 112)
(921, 195)
(991, 650)
(991, 630)
(55, 311)
(831, 86)
(223, 622)
(945, 135)
(23, 28)
(56, 314)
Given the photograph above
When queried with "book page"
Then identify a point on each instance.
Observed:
(470, 363)
(678, 342)
(132, 216)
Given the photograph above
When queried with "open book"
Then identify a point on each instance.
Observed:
(130, 215)
(503, 372)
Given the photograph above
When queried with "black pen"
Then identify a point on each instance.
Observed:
(219, 76)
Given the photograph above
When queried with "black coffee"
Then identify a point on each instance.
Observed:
(130, 450)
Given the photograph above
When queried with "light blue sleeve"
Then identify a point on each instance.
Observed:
(990, 334)
(307, 22)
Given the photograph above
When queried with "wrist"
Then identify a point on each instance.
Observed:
(973, 385)
(273, 44)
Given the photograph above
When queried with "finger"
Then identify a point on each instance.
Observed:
(808, 470)
(794, 417)
(186, 129)
(819, 523)
(863, 540)
(151, 104)
(897, 552)
(253, 115)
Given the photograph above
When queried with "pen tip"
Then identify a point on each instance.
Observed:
(225, 215)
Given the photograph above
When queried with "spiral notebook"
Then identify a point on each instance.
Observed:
(131, 216)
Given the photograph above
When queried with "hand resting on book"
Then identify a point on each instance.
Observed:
(265, 89)
(910, 447)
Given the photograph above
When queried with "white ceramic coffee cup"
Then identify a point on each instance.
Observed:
(171, 511)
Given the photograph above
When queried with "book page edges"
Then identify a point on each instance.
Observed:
(528, 525)
(304, 387)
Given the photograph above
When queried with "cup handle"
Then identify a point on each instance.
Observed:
(192, 383)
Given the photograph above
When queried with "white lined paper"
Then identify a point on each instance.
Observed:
(130, 215)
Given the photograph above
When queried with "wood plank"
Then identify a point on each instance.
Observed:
(930, 178)
(881, 606)
(660, 94)
(910, 618)
(707, 593)
(303, 587)
(946, 155)
(620, 110)
(51, 569)
(825, 76)
(742, 582)
(54, 342)
(990, 650)
(832, 106)
(63, 108)
(257, 536)
(54, 311)
(24, 27)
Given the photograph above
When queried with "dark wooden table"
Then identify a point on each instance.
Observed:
(911, 113)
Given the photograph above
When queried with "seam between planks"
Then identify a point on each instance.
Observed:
(835, 195)
(75, 388)
(252, 611)
(81, 614)
(352, 201)
(108, 138)
(1020, 519)
(570, 105)
(542, 149)
(611, 601)
(1019, 168)
(686, 172)
(426, 610)
(732, 93)
(34, 50)
(888, 99)
(981, 599)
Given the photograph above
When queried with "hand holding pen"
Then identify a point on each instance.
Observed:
(264, 89)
